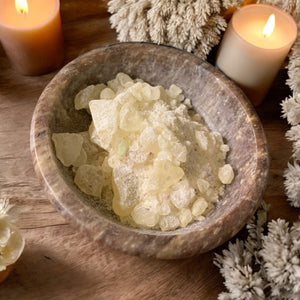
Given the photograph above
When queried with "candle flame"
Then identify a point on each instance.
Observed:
(269, 27)
(21, 6)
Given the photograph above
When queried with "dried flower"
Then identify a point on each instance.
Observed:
(275, 257)
(11, 241)
(294, 66)
(240, 279)
(255, 229)
(291, 6)
(237, 264)
(281, 259)
(291, 109)
(294, 135)
(292, 184)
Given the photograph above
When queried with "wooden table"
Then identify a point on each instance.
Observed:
(60, 263)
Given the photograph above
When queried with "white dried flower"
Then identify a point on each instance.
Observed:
(294, 68)
(281, 256)
(294, 63)
(240, 279)
(294, 135)
(275, 257)
(11, 241)
(255, 229)
(292, 184)
(238, 262)
(291, 6)
(211, 35)
(231, 3)
(291, 109)
(157, 16)
(296, 150)
(129, 19)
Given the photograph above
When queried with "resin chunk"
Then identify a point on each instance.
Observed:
(147, 155)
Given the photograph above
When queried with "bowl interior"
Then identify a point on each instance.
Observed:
(223, 106)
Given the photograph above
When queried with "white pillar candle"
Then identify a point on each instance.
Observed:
(31, 34)
(251, 58)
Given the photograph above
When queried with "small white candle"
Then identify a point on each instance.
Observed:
(252, 56)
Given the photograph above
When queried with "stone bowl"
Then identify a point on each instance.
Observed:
(222, 104)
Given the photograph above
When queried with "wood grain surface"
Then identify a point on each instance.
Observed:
(58, 262)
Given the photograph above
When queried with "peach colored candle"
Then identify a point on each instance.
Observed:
(254, 46)
(31, 35)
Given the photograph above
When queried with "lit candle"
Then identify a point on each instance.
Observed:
(255, 44)
(31, 35)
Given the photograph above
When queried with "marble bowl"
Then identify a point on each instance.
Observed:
(222, 104)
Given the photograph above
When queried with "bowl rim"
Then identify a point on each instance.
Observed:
(44, 161)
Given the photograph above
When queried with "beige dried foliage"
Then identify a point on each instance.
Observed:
(291, 109)
(195, 26)
(291, 6)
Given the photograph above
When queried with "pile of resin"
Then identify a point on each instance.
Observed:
(147, 153)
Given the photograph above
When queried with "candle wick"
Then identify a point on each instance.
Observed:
(23, 12)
